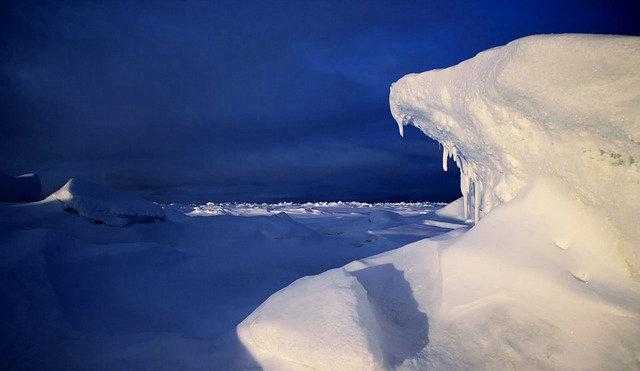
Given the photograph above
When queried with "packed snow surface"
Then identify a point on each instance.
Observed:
(168, 295)
(546, 133)
(22, 188)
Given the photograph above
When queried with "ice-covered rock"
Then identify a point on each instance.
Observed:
(105, 206)
(23, 188)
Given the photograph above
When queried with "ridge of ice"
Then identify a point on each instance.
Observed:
(308, 208)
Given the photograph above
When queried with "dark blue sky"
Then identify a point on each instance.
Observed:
(247, 100)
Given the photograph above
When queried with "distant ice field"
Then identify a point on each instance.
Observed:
(313, 208)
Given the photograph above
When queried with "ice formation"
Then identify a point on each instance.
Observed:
(311, 208)
(546, 133)
(563, 106)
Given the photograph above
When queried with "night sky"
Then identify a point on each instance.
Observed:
(243, 100)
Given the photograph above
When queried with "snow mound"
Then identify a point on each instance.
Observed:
(104, 206)
(334, 302)
(360, 317)
(546, 133)
(453, 210)
(500, 296)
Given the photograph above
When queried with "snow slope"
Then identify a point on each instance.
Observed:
(546, 131)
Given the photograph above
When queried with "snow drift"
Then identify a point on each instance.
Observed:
(546, 133)
(105, 206)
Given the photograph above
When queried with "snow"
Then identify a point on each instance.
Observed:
(288, 333)
(23, 188)
(563, 106)
(168, 295)
(545, 131)
(453, 210)
(535, 267)
(102, 205)
(311, 208)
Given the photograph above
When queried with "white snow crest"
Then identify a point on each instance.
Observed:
(558, 106)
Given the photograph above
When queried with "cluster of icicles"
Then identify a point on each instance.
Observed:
(468, 180)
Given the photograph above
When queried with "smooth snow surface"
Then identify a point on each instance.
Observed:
(546, 132)
(167, 295)
(23, 188)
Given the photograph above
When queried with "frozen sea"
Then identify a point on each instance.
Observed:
(169, 295)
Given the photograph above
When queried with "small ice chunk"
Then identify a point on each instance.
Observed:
(561, 244)
(580, 276)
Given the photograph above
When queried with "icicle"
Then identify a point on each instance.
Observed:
(456, 157)
(468, 178)
(445, 157)
(477, 194)
(401, 129)
(487, 201)
(464, 188)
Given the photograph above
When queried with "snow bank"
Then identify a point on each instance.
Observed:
(546, 132)
(363, 316)
(335, 302)
(104, 206)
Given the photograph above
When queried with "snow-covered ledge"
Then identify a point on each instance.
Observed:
(565, 107)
